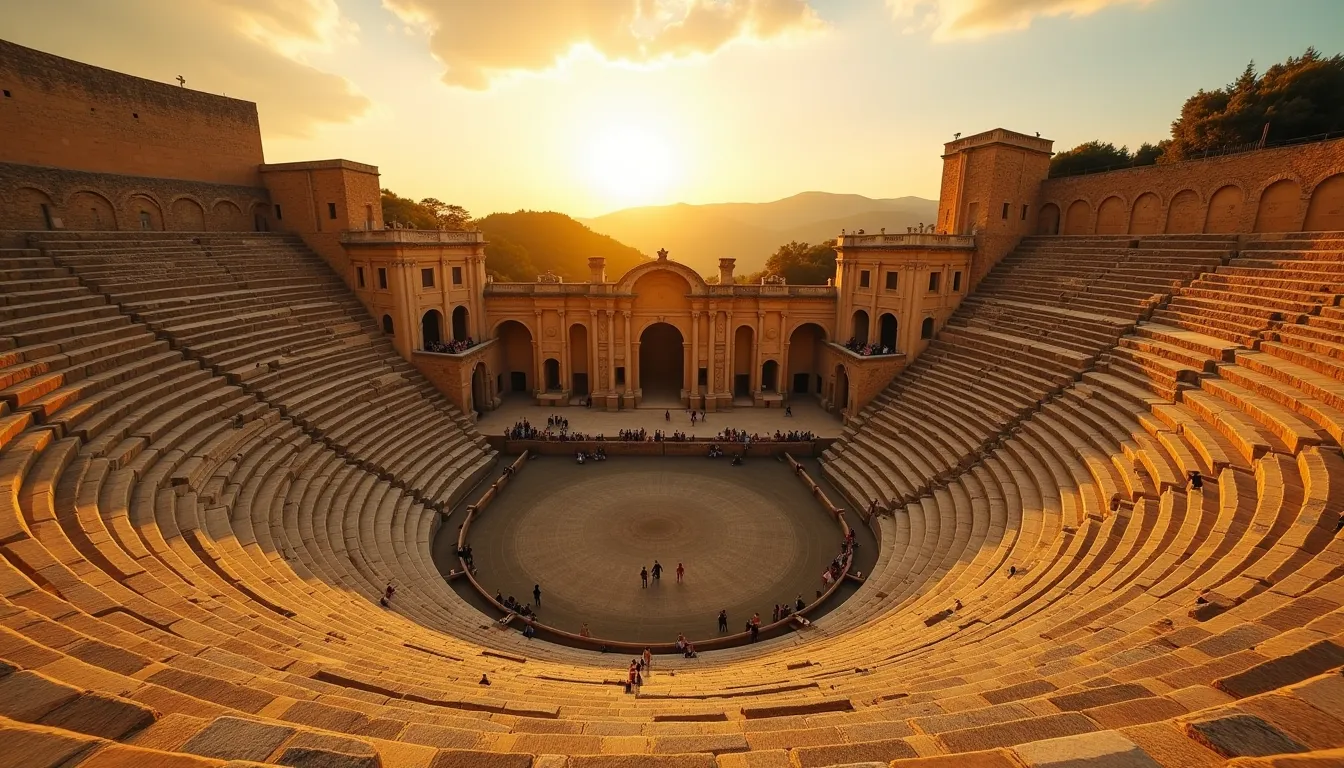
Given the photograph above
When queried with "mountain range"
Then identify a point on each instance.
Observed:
(699, 235)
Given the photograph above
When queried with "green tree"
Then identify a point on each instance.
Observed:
(1303, 96)
(803, 264)
(406, 212)
(1088, 157)
(450, 217)
(1150, 154)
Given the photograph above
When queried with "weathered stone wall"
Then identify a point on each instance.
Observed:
(1288, 189)
(63, 114)
(81, 200)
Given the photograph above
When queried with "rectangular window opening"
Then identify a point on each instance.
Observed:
(382, 278)
(891, 280)
(702, 378)
(956, 281)
(457, 275)
(933, 281)
(278, 215)
(8, 94)
(331, 210)
(1024, 211)
(427, 278)
(620, 375)
(1005, 209)
(863, 279)
(359, 276)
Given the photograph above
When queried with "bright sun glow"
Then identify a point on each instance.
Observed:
(628, 165)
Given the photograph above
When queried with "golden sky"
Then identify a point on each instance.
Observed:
(587, 106)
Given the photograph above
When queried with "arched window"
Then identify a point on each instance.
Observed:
(431, 329)
(926, 329)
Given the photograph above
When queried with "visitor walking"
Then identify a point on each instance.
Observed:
(799, 605)
(387, 594)
(644, 577)
(1196, 480)
(723, 621)
(657, 571)
(536, 594)
(681, 571)
(788, 410)
(667, 415)
(648, 659)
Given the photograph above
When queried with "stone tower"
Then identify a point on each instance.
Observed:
(991, 182)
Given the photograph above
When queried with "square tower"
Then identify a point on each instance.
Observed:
(990, 186)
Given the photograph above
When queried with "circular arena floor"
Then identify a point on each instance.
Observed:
(749, 537)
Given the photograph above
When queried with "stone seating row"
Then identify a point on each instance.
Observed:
(275, 319)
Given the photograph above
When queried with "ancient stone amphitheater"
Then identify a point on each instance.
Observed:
(197, 526)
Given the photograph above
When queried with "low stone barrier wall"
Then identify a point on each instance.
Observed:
(654, 448)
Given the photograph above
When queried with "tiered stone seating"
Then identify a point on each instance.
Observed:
(1038, 320)
(268, 315)
(191, 557)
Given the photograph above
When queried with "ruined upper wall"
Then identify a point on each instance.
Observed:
(60, 113)
(1286, 189)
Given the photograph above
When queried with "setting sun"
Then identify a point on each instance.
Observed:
(628, 165)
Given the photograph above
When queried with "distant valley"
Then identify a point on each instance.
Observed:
(699, 235)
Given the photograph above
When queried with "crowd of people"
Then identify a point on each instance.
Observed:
(841, 561)
(450, 347)
(868, 350)
(557, 430)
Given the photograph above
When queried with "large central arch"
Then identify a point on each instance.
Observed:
(661, 361)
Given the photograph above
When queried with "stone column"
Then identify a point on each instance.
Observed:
(694, 387)
(913, 318)
(873, 323)
(593, 384)
(729, 356)
(565, 373)
(756, 354)
(610, 351)
(538, 367)
(629, 367)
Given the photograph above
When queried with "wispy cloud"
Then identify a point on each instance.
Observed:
(479, 42)
(950, 19)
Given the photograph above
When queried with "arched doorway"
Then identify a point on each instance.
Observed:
(661, 365)
(1325, 212)
(841, 399)
(887, 330)
(861, 327)
(1048, 221)
(769, 376)
(1078, 218)
(1183, 215)
(1224, 215)
(552, 369)
(480, 389)
(1111, 217)
(805, 346)
(387, 324)
(431, 329)
(926, 328)
(461, 329)
(578, 360)
(1280, 207)
(515, 344)
(743, 360)
(1145, 218)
